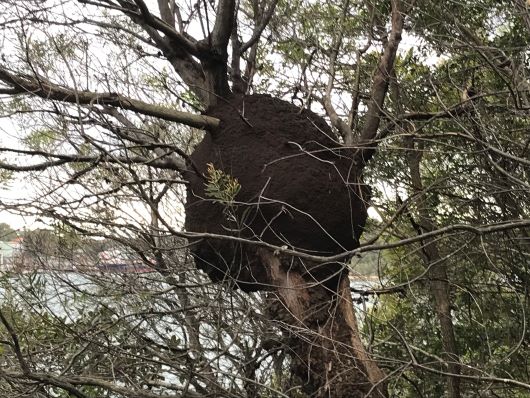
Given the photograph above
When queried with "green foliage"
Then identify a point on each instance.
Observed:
(16, 104)
(220, 186)
(7, 233)
(42, 139)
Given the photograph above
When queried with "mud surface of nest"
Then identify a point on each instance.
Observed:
(298, 189)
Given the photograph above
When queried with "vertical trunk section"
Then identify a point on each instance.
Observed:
(328, 356)
(437, 274)
(216, 72)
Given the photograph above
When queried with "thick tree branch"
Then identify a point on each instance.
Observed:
(261, 20)
(238, 84)
(16, 343)
(336, 121)
(9, 90)
(208, 81)
(26, 84)
(366, 144)
(214, 57)
(179, 49)
(223, 24)
(189, 46)
(167, 13)
(438, 275)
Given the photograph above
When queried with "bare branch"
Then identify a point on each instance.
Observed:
(166, 13)
(16, 343)
(343, 127)
(44, 89)
(176, 37)
(162, 162)
(179, 49)
(481, 230)
(380, 84)
(259, 28)
(136, 136)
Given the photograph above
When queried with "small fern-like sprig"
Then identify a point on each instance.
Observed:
(220, 186)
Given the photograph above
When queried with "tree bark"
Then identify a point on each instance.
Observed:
(367, 141)
(214, 59)
(328, 356)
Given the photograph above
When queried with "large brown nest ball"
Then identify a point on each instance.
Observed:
(297, 188)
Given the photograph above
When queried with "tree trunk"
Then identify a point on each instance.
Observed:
(437, 274)
(328, 356)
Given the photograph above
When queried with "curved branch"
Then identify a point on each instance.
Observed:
(336, 121)
(363, 248)
(178, 48)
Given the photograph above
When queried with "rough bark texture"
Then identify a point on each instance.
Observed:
(328, 357)
(297, 189)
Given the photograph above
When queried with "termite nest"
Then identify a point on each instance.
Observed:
(273, 173)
